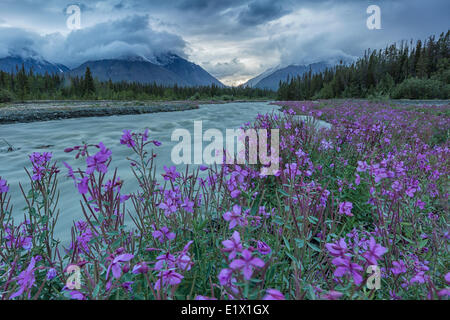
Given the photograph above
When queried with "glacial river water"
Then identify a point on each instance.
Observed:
(60, 134)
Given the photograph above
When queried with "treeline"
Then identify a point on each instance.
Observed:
(23, 85)
(411, 70)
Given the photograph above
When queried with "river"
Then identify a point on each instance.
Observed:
(59, 134)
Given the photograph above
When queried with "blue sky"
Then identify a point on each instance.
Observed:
(233, 40)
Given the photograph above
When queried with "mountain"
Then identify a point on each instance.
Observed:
(131, 70)
(35, 62)
(271, 78)
(253, 82)
(190, 72)
(168, 70)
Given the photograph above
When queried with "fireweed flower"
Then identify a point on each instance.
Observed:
(362, 166)
(171, 173)
(332, 295)
(140, 268)
(346, 208)
(145, 135)
(26, 279)
(263, 248)
(374, 253)
(399, 267)
(51, 274)
(235, 217)
(326, 145)
(204, 298)
(357, 179)
(115, 265)
(83, 185)
(247, 263)
(225, 276)
(169, 277)
(233, 245)
(77, 295)
(188, 205)
(127, 139)
(163, 234)
(273, 294)
(3, 186)
(337, 249)
(447, 278)
(345, 267)
(165, 261)
(39, 162)
(99, 160)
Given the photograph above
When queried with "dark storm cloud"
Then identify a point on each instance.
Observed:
(123, 37)
(228, 37)
(259, 12)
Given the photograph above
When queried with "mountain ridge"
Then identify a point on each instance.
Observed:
(167, 69)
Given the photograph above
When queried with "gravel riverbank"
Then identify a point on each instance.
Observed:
(44, 111)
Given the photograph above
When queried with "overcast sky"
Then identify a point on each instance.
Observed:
(233, 40)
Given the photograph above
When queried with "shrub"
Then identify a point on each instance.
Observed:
(414, 88)
(5, 96)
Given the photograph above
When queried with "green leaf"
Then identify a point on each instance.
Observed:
(314, 247)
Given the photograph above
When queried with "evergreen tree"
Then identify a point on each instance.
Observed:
(89, 86)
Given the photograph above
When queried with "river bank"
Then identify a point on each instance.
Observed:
(45, 111)
(34, 111)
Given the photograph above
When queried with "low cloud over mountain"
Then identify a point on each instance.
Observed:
(245, 36)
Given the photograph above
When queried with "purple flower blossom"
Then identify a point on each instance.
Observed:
(399, 267)
(83, 185)
(332, 295)
(169, 277)
(337, 249)
(374, 252)
(225, 276)
(235, 217)
(233, 246)
(25, 279)
(127, 139)
(171, 173)
(163, 234)
(344, 266)
(273, 294)
(263, 248)
(362, 166)
(51, 273)
(247, 263)
(204, 298)
(77, 295)
(346, 208)
(166, 261)
(3, 186)
(99, 160)
(115, 265)
(140, 268)
(188, 205)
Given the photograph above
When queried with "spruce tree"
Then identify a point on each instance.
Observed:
(89, 87)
